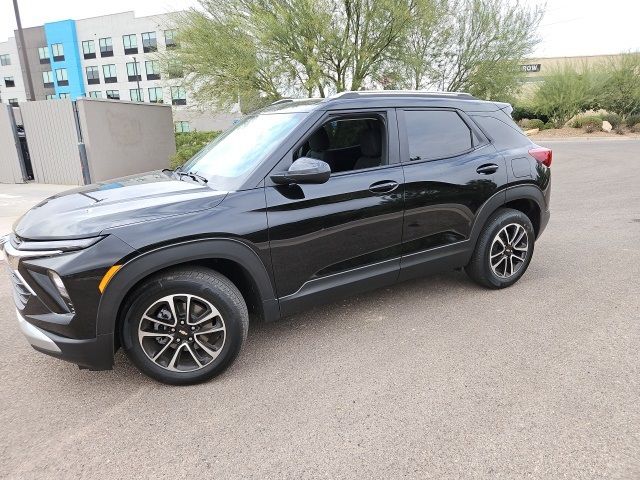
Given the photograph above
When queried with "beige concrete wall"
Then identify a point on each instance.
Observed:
(124, 138)
(52, 136)
(10, 170)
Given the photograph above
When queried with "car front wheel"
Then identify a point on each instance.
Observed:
(185, 326)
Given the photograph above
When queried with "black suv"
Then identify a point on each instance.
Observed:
(295, 205)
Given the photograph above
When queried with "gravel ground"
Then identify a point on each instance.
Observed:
(434, 378)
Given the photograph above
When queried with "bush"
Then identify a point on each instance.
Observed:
(613, 118)
(188, 144)
(632, 120)
(619, 130)
(635, 128)
(582, 121)
(619, 85)
(549, 126)
(525, 112)
(528, 124)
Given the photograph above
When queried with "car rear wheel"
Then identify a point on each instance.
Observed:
(185, 326)
(503, 251)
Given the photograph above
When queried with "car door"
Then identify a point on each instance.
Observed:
(450, 171)
(342, 236)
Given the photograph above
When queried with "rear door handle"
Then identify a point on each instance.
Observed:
(383, 186)
(487, 168)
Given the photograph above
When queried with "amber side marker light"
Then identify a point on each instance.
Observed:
(107, 277)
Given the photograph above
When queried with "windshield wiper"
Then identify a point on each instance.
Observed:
(192, 175)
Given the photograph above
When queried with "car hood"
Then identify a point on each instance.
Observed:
(87, 211)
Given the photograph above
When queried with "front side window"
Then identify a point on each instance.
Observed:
(9, 82)
(113, 94)
(155, 94)
(61, 77)
(58, 52)
(93, 75)
(89, 49)
(47, 78)
(178, 96)
(434, 134)
(109, 73)
(5, 59)
(231, 157)
(43, 54)
(130, 43)
(348, 144)
(133, 71)
(149, 42)
(106, 47)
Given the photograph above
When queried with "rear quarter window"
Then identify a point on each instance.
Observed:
(503, 135)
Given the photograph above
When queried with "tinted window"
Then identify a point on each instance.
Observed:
(502, 135)
(432, 134)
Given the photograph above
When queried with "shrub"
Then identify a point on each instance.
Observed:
(619, 85)
(564, 93)
(525, 112)
(528, 124)
(188, 144)
(619, 130)
(613, 118)
(632, 120)
(549, 126)
(635, 128)
(582, 121)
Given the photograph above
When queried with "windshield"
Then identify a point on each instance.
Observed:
(233, 156)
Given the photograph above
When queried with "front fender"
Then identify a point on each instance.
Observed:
(145, 264)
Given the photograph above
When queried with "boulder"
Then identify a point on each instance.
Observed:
(533, 131)
(606, 126)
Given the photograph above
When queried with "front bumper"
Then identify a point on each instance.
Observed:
(51, 326)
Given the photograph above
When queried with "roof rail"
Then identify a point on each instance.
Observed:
(361, 93)
(282, 100)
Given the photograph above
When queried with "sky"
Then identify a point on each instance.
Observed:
(569, 28)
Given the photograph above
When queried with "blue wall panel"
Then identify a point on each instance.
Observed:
(64, 32)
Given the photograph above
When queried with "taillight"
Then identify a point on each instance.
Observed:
(542, 155)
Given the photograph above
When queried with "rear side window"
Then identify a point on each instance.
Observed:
(436, 134)
(503, 135)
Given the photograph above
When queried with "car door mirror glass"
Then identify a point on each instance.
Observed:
(304, 170)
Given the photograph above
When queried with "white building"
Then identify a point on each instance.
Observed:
(11, 83)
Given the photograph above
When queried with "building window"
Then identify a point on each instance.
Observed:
(13, 102)
(170, 38)
(63, 95)
(47, 79)
(5, 59)
(149, 43)
(174, 69)
(109, 73)
(93, 75)
(9, 82)
(182, 127)
(178, 96)
(106, 47)
(43, 54)
(61, 77)
(155, 94)
(113, 94)
(58, 52)
(95, 94)
(49, 96)
(135, 94)
(89, 49)
(133, 71)
(153, 69)
(130, 43)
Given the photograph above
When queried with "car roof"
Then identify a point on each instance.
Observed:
(385, 99)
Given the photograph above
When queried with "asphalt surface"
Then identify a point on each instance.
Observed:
(434, 378)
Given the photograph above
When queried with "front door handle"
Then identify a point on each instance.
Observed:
(487, 168)
(383, 186)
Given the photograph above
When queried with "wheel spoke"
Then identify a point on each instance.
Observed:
(495, 265)
(519, 237)
(212, 353)
(193, 354)
(212, 314)
(161, 351)
(518, 258)
(144, 333)
(208, 331)
(174, 358)
(159, 322)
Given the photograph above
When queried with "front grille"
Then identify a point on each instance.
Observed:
(21, 292)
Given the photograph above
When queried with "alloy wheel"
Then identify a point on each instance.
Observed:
(182, 332)
(509, 250)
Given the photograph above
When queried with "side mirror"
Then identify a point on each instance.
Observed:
(304, 170)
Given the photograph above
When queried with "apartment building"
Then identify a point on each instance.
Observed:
(11, 84)
(112, 57)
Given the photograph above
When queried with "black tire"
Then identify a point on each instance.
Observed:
(204, 285)
(479, 268)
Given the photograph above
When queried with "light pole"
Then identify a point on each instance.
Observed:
(135, 65)
(23, 52)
